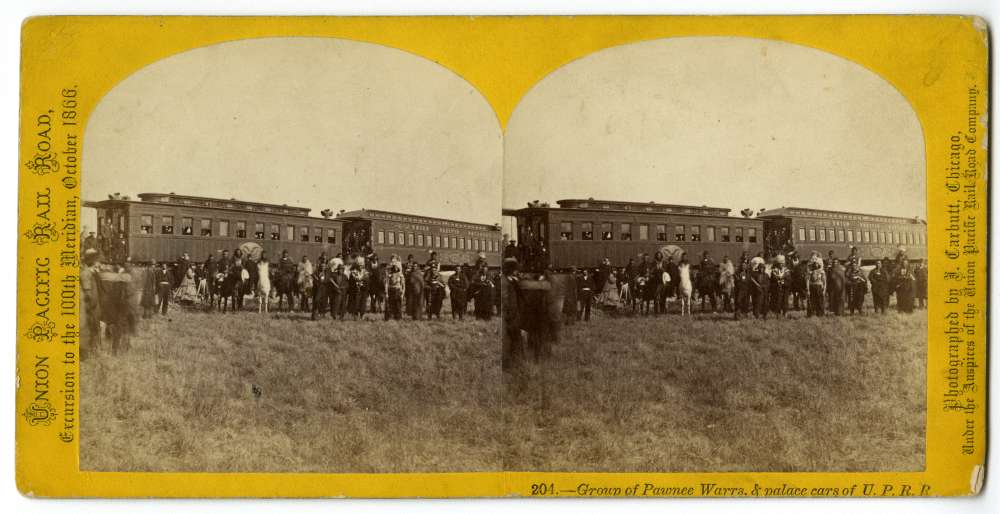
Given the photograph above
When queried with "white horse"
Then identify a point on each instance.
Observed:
(263, 286)
(685, 288)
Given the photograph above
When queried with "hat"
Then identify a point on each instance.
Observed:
(780, 259)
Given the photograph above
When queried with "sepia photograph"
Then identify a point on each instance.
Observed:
(290, 263)
(717, 262)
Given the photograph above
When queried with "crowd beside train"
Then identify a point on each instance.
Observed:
(114, 295)
(752, 286)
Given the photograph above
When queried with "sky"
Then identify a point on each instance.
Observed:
(312, 122)
(720, 121)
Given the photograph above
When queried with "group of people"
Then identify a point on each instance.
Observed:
(351, 287)
(756, 285)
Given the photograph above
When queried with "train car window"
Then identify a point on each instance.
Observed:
(643, 232)
(606, 233)
(566, 231)
(822, 235)
(881, 237)
(679, 234)
(751, 235)
(475, 244)
(895, 238)
(409, 239)
(146, 224)
(317, 235)
(289, 232)
(840, 235)
(829, 235)
(275, 232)
(444, 241)
(437, 241)
(206, 227)
(381, 237)
(868, 236)
(710, 233)
(724, 234)
(850, 236)
(223, 228)
(461, 243)
(587, 231)
(420, 240)
(626, 232)
(857, 236)
(241, 229)
(802, 234)
(258, 231)
(331, 235)
(304, 234)
(167, 225)
(739, 234)
(454, 243)
(812, 234)
(695, 233)
(399, 238)
(392, 238)
(483, 244)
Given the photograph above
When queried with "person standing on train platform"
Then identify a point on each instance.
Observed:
(920, 276)
(395, 291)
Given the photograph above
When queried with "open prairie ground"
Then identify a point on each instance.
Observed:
(335, 396)
(706, 393)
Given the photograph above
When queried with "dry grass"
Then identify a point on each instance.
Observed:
(369, 396)
(711, 394)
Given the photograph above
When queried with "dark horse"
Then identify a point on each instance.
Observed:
(230, 286)
(286, 283)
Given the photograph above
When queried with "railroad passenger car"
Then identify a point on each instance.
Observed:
(875, 236)
(583, 232)
(387, 233)
(162, 226)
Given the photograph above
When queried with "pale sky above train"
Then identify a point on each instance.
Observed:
(728, 122)
(313, 122)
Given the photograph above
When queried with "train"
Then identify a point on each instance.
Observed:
(163, 226)
(583, 232)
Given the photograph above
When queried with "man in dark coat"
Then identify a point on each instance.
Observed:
(780, 281)
(759, 283)
(880, 287)
(743, 290)
(513, 343)
(836, 283)
(673, 286)
(415, 293)
(816, 280)
(708, 281)
(800, 283)
(322, 285)
(920, 274)
(585, 293)
(458, 286)
(90, 304)
(482, 296)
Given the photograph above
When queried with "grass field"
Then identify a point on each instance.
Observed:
(369, 396)
(710, 394)
(620, 394)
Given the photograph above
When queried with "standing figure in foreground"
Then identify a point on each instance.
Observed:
(321, 291)
(263, 292)
(904, 285)
(743, 291)
(920, 274)
(90, 308)
(483, 296)
(684, 286)
(880, 287)
(513, 343)
(458, 284)
(817, 286)
(836, 284)
(780, 279)
(415, 293)
(357, 290)
(395, 289)
(435, 291)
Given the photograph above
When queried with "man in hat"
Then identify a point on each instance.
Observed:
(90, 304)
(513, 343)
(322, 285)
(780, 280)
(816, 280)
